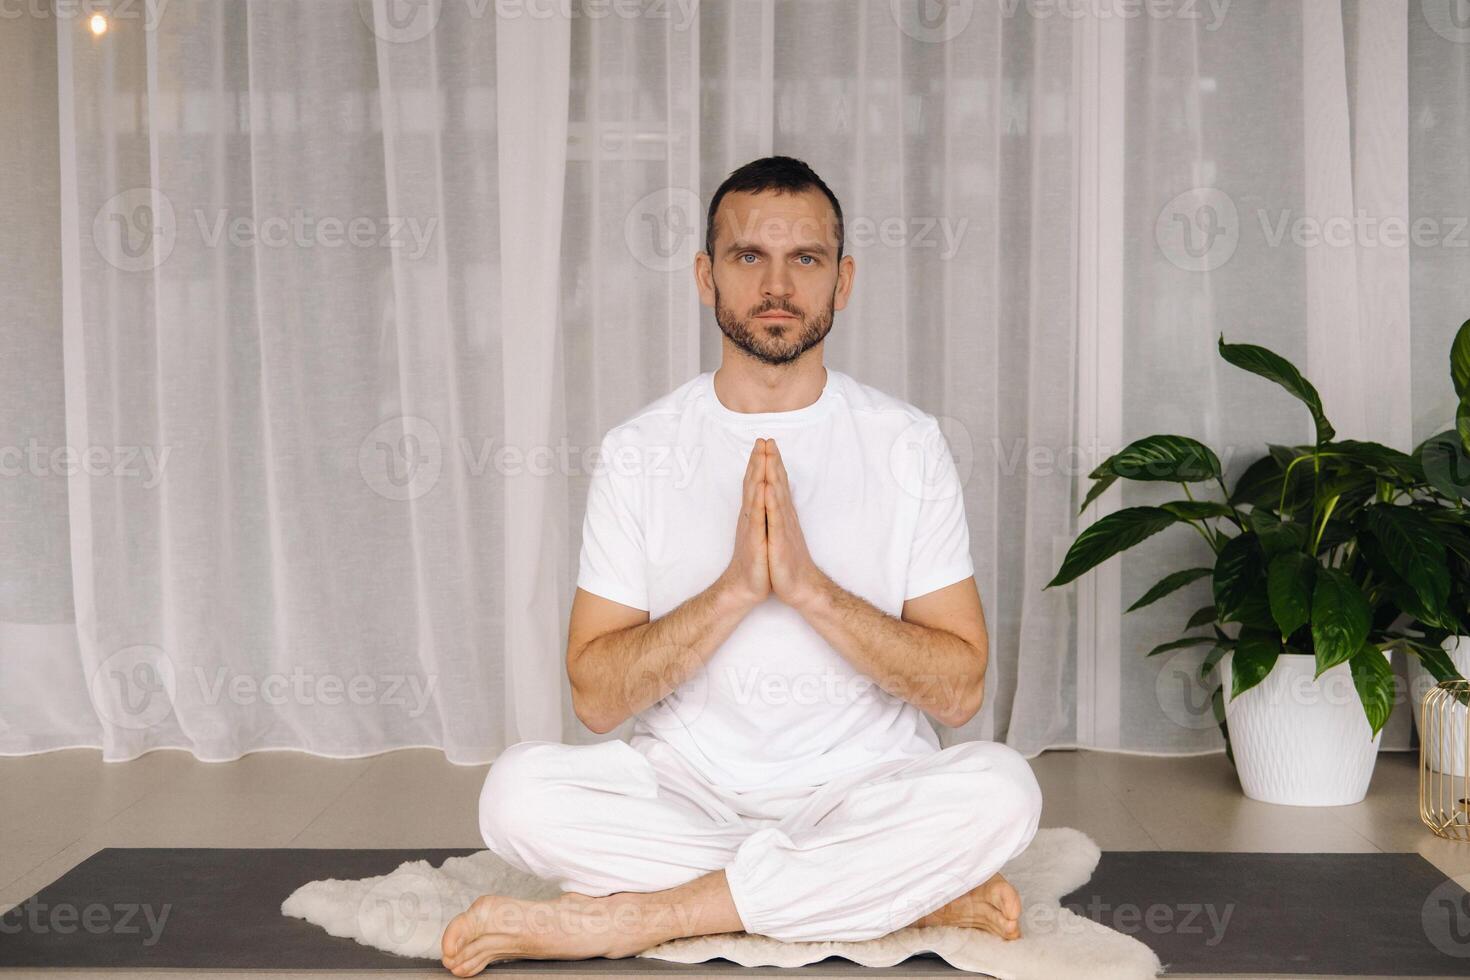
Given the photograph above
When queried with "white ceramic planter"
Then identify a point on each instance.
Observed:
(1298, 740)
(1447, 753)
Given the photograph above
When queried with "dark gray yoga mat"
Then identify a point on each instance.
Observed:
(1269, 913)
(220, 908)
(1203, 912)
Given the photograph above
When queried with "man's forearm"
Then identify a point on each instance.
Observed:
(619, 674)
(934, 669)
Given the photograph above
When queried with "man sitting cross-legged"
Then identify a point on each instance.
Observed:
(776, 584)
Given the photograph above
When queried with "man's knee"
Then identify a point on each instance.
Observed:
(510, 797)
(1006, 789)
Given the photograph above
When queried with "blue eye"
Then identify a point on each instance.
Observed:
(747, 255)
(809, 257)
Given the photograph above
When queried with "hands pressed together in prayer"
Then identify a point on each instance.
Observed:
(770, 552)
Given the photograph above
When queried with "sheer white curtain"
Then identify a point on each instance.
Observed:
(315, 312)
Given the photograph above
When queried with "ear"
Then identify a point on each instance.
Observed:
(846, 270)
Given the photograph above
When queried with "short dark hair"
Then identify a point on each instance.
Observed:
(782, 174)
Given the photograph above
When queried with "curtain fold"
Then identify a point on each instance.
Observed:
(316, 313)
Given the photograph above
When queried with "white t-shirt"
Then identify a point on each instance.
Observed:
(880, 503)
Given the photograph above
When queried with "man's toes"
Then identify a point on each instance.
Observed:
(1010, 903)
(1003, 895)
(991, 919)
(452, 939)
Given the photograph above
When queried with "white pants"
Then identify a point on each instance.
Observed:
(858, 857)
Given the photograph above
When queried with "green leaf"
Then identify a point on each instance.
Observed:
(1239, 568)
(1289, 580)
(1217, 704)
(1460, 361)
(1260, 484)
(1413, 548)
(1175, 459)
(1357, 483)
(1278, 536)
(1273, 367)
(1377, 458)
(1109, 535)
(1435, 660)
(1203, 616)
(1197, 510)
(1336, 533)
(1462, 423)
(1211, 659)
(1406, 600)
(1188, 641)
(1167, 584)
(1446, 464)
(1373, 678)
(1286, 455)
(1255, 654)
(1255, 609)
(1340, 618)
(1297, 480)
(1098, 488)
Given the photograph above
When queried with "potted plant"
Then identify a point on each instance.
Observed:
(1446, 469)
(1321, 552)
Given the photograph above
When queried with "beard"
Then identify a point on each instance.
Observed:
(774, 341)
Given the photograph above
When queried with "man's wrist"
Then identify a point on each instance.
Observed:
(816, 598)
(731, 598)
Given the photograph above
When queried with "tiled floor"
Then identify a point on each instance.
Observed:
(59, 808)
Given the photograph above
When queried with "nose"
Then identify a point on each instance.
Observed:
(777, 284)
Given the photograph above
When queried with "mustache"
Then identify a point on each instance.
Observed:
(777, 309)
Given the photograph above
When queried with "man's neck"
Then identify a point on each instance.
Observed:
(749, 386)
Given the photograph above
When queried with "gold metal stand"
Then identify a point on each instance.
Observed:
(1444, 797)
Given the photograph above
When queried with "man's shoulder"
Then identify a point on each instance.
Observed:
(879, 405)
(658, 419)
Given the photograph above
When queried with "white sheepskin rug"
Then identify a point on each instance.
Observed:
(405, 912)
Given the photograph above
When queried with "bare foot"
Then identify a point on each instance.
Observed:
(994, 906)
(496, 928)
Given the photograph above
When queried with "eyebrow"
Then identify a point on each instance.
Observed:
(814, 247)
